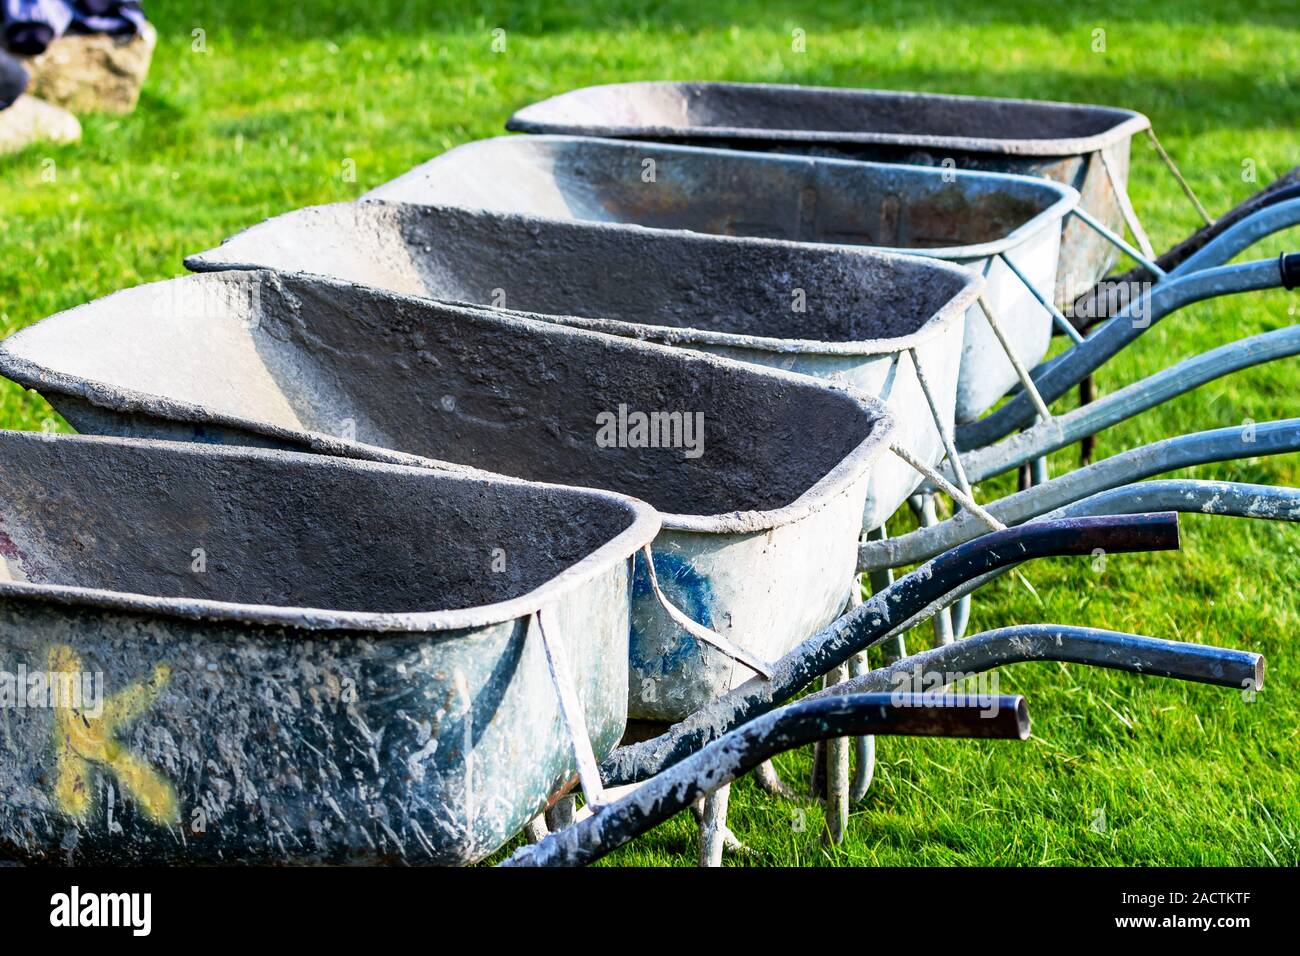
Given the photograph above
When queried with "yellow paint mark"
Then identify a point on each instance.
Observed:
(81, 741)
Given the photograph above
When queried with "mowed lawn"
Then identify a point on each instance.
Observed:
(289, 99)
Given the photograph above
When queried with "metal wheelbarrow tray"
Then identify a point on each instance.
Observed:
(838, 313)
(760, 529)
(268, 657)
(974, 219)
(1086, 147)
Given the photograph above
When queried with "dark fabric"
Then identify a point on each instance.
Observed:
(13, 80)
(30, 26)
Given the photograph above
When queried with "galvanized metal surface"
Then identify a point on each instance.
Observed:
(736, 753)
(760, 530)
(838, 313)
(909, 600)
(1066, 142)
(290, 658)
(969, 218)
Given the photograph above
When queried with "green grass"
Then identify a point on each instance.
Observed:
(286, 94)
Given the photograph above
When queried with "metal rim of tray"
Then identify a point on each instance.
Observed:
(1067, 197)
(643, 527)
(1129, 122)
(128, 400)
(663, 334)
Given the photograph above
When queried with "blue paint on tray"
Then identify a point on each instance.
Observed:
(686, 588)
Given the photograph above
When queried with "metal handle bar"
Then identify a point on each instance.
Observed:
(1233, 499)
(741, 750)
(1282, 212)
(878, 618)
(1192, 496)
(1223, 444)
(1119, 406)
(1115, 650)
(1055, 377)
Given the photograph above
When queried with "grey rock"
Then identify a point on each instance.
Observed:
(93, 73)
(30, 120)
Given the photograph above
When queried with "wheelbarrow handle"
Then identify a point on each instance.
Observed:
(1115, 650)
(743, 749)
(1289, 265)
(1281, 211)
(1184, 451)
(880, 616)
(1055, 377)
(1230, 498)
(1191, 373)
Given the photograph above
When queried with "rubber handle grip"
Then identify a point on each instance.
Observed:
(1289, 264)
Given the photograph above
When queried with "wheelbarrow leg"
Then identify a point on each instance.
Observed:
(713, 826)
(923, 507)
(561, 813)
(864, 756)
(1038, 472)
(960, 617)
(769, 781)
(837, 773)
(894, 648)
(536, 831)
(1087, 393)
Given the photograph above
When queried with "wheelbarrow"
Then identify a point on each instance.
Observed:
(245, 656)
(1203, 277)
(760, 508)
(840, 711)
(1114, 497)
(878, 557)
(843, 314)
(911, 600)
(984, 221)
(234, 655)
(1085, 147)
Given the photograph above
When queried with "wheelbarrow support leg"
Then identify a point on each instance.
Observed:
(713, 826)
(837, 773)
(942, 620)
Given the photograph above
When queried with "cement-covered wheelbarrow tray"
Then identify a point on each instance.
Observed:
(1085, 147)
(839, 313)
(234, 655)
(983, 221)
(761, 507)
